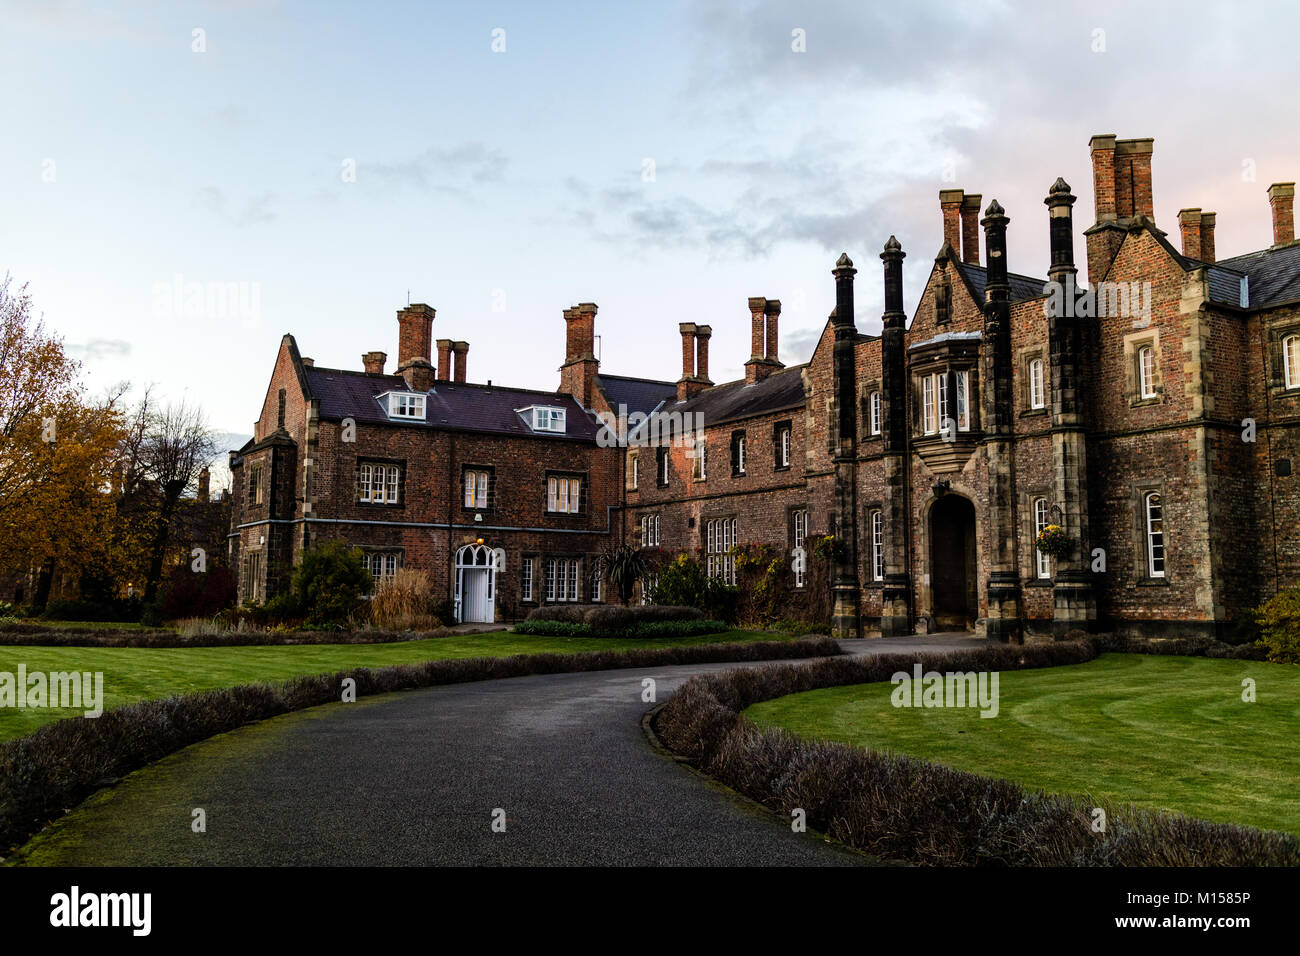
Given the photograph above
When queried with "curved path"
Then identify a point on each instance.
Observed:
(413, 778)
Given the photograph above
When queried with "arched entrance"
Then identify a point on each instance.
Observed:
(952, 563)
(476, 580)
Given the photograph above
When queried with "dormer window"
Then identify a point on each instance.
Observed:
(408, 405)
(545, 418)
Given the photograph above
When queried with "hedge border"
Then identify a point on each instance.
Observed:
(28, 635)
(60, 764)
(900, 807)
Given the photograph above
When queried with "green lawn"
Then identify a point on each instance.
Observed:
(1158, 732)
(140, 673)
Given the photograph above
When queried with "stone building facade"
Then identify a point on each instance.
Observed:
(1151, 409)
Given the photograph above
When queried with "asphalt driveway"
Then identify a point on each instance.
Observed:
(417, 778)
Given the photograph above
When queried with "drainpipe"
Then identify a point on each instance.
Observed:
(451, 558)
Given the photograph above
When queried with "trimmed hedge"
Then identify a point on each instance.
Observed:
(897, 806)
(27, 634)
(1179, 646)
(685, 628)
(609, 618)
(62, 763)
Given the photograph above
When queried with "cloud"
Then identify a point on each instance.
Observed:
(441, 169)
(254, 210)
(797, 346)
(97, 349)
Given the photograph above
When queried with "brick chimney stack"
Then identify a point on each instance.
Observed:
(1133, 178)
(688, 385)
(373, 362)
(1281, 196)
(950, 205)
(1207, 236)
(772, 313)
(763, 314)
(578, 373)
(702, 334)
(970, 228)
(414, 341)
(205, 481)
(444, 360)
(1198, 234)
(1121, 180)
(460, 350)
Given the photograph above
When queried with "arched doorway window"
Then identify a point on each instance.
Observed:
(952, 563)
(476, 573)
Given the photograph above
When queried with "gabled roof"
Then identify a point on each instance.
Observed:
(642, 395)
(733, 401)
(458, 406)
(1022, 287)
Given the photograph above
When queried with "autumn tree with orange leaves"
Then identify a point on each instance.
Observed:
(56, 453)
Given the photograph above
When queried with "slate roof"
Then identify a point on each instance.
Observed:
(1022, 287)
(1273, 275)
(452, 405)
(735, 400)
(638, 394)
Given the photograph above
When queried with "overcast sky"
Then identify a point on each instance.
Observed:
(327, 157)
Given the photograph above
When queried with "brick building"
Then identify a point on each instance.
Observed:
(502, 494)
(1151, 411)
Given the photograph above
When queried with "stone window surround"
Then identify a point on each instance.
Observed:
(779, 430)
(790, 512)
(1132, 374)
(867, 552)
(1024, 357)
(922, 370)
(1137, 501)
(868, 389)
(1029, 553)
(1276, 370)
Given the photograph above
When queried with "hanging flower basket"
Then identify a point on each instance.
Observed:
(1053, 541)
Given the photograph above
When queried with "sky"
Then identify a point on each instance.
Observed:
(186, 182)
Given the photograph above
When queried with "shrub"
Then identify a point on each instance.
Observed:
(678, 628)
(622, 567)
(188, 593)
(116, 610)
(444, 612)
(571, 613)
(683, 582)
(1279, 623)
(404, 601)
(329, 581)
(901, 807)
(552, 628)
(608, 619)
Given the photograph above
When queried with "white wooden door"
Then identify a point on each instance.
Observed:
(476, 596)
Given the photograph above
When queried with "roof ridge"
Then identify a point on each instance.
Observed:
(636, 378)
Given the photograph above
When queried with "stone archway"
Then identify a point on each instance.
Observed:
(954, 596)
